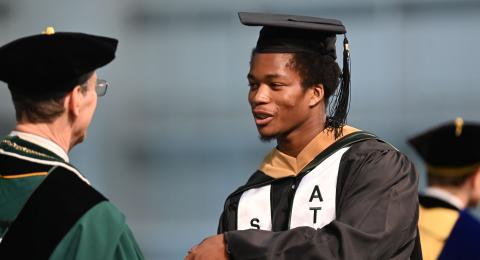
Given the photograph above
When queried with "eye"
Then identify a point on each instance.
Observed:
(253, 85)
(276, 85)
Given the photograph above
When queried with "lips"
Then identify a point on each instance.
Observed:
(262, 118)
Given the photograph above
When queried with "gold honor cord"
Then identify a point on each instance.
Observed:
(25, 175)
(25, 149)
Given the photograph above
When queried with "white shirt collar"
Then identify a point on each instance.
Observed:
(445, 196)
(43, 142)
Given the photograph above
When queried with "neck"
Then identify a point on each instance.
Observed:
(294, 142)
(462, 194)
(55, 132)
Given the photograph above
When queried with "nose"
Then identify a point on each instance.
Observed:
(260, 95)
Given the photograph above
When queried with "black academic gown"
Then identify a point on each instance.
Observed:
(376, 210)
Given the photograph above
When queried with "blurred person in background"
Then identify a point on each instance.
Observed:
(327, 190)
(47, 207)
(451, 153)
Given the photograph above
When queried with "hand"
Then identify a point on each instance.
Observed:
(211, 248)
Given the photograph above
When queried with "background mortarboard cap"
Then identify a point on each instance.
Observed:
(292, 33)
(39, 65)
(449, 148)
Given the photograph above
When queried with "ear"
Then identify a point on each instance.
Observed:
(317, 94)
(476, 180)
(474, 183)
(73, 100)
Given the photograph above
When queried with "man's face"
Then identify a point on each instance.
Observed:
(280, 105)
(88, 103)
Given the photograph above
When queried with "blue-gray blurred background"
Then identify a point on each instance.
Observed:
(174, 135)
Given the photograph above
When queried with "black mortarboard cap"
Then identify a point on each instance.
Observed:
(451, 149)
(293, 33)
(283, 33)
(48, 63)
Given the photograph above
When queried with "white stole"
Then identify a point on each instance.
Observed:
(313, 204)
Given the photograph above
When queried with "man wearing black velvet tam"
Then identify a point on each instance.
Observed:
(48, 210)
(327, 190)
(452, 157)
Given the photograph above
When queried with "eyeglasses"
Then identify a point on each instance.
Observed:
(101, 87)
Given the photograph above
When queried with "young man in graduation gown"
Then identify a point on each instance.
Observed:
(452, 157)
(48, 210)
(327, 190)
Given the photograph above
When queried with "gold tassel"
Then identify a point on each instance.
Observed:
(49, 30)
(458, 126)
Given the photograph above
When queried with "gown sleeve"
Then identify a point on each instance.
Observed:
(100, 234)
(376, 215)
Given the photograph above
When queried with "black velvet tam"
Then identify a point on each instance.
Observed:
(43, 64)
(454, 144)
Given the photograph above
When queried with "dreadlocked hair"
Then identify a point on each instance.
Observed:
(315, 69)
(339, 107)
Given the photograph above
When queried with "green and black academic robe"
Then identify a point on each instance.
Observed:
(48, 210)
(356, 199)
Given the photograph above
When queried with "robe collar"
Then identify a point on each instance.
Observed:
(279, 165)
(42, 142)
(445, 196)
